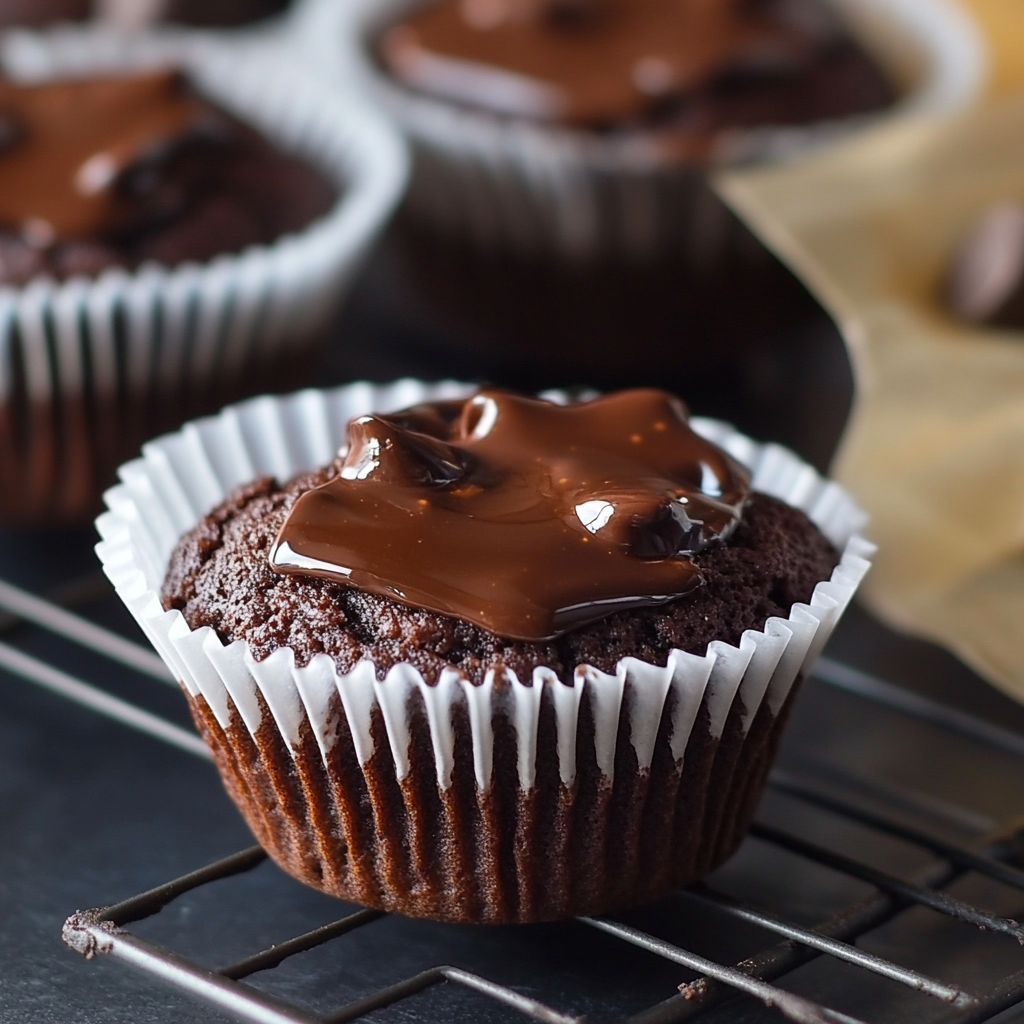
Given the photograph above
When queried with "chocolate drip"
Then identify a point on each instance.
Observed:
(590, 62)
(521, 516)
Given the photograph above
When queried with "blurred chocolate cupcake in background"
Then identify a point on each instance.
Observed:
(178, 222)
(560, 206)
(637, 87)
(583, 129)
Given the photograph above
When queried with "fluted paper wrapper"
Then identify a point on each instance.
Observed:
(90, 367)
(536, 189)
(934, 448)
(513, 800)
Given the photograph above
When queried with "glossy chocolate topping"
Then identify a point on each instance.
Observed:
(521, 516)
(588, 62)
(65, 147)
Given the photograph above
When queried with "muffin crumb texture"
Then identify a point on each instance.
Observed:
(220, 576)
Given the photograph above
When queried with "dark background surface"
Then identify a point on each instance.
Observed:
(91, 813)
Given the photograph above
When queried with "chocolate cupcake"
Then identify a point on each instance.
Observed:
(177, 224)
(584, 129)
(503, 659)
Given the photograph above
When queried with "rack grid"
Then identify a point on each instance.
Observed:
(791, 945)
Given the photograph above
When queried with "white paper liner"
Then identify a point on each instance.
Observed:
(127, 339)
(534, 189)
(181, 476)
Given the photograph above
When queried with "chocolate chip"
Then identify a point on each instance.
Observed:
(644, 523)
(986, 280)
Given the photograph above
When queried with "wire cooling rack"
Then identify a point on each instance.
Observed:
(790, 944)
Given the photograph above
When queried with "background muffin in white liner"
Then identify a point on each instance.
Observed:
(492, 785)
(90, 367)
(537, 189)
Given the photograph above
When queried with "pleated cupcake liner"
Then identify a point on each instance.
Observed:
(90, 367)
(507, 184)
(508, 800)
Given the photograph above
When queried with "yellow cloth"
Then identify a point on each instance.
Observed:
(1002, 24)
(935, 445)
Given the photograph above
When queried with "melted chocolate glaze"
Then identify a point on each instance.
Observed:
(612, 63)
(115, 171)
(66, 147)
(518, 515)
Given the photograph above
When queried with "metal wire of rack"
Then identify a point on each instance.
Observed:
(103, 931)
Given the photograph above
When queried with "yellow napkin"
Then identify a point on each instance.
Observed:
(935, 445)
(1002, 23)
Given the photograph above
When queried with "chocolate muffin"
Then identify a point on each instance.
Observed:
(180, 241)
(120, 171)
(543, 654)
(582, 130)
(563, 150)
